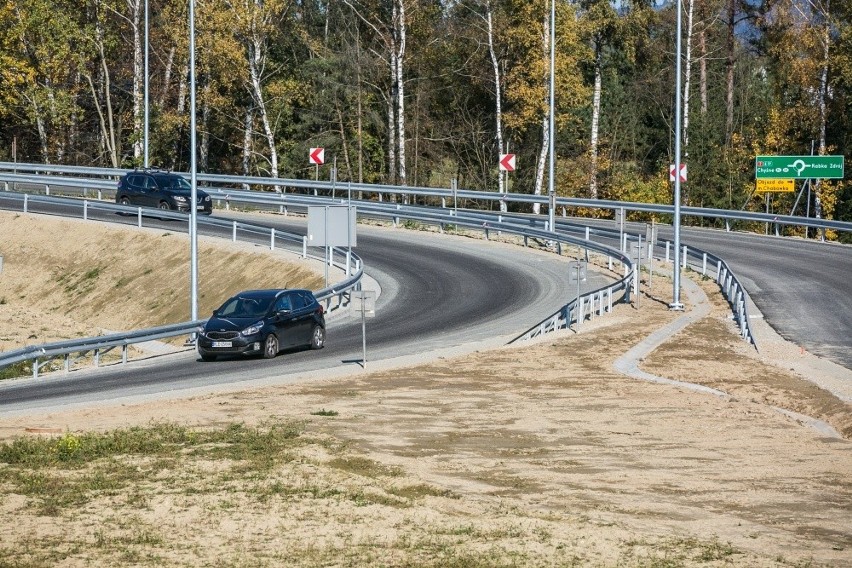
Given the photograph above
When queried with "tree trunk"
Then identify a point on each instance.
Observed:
(498, 99)
(247, 146)
(823, 79)
(702, 59)
(687, 75)
(204, 147)
(135, 7)
(400, 78)
(729, 72)
(256, 63)
(167, 78)
(596, 113)
(545, 126)
(344, 142)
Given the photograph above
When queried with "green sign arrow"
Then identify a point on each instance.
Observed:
(798, 167)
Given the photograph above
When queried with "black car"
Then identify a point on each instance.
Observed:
(263, 322)
(163, 190)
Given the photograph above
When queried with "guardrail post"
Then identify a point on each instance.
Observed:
(139, 217)
(559, 248)
(718, 271)
(97, 359)
(67, 363)
(35, 368)
(6, 185)
(234, 232)
(727, 225)
(124, 354)
(443, 203)
(587, 233)
(46, 189)
(609, 293)
(271, 239)
(26, 198)
(305, 246)
(580, 311)
(100, 195)
(624, 242)
(85, 210)
(668, 246)
(685, 250)
(609, 262)
(704, 265)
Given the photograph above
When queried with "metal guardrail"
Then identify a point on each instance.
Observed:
(485, 221)
(232, 183)
(41, 355)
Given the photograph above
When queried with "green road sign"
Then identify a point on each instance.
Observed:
(798, 167)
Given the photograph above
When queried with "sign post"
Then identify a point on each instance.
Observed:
(577, 272)
(363, 302)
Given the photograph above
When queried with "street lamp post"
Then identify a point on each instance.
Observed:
(193, 214)
(145, 134)
(551, 167)
(676, 303)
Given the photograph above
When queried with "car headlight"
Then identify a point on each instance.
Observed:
(180, 198)
(206, 198)
(252, 329)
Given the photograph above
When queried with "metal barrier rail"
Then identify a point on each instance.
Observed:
(485, 221)
(232, 184)
(41, 355)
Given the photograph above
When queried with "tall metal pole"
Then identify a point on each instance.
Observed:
(550, 136)
(193, 224)
(676, 303)
(145, 134)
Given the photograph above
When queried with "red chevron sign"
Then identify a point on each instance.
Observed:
(317, 156)
(507, 162)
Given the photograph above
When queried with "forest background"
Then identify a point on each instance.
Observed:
(421, 92)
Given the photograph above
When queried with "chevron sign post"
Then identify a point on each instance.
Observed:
(507, 162)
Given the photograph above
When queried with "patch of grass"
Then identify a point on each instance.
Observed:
(364, 467)
(324, 412)
(73, 469)
(16, 370)
(420, 490)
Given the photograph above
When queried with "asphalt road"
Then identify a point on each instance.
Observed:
(803, 288)
(437, 292)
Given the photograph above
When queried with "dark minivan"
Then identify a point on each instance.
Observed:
(163, 190)
(263, 322)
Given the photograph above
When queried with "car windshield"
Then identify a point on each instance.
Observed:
(173, 182)
(242, 307)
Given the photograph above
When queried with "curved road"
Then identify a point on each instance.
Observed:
(437, 292)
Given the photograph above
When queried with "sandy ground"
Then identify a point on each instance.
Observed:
(532, 454)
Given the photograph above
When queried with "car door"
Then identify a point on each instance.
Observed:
(135, 189)
(304, 318)
(285, 321)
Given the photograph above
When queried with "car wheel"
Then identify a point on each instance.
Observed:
(317, 337)
(125, 201)
(164, 206)
(270, 347)
(208, 358)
